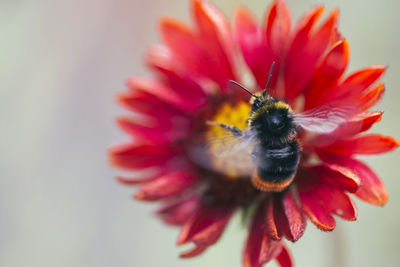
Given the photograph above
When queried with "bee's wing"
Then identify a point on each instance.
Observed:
(324, 119)
(227, 154)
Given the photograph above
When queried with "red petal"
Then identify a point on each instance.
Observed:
(364, 145)
(317, 213)
(338, 176)
(294, 216)
(135, 181)
(149, 105)
(206, 226)
(270, 249)
(179, 213)
(278, 27)
(216, 36)
(181, 39)
(284, 216)
(260, 48)
(277, 37)
(251, 253)
(372, 189)
(360, 123)
(328, 73)
(136, 157)
(166, 186)
(197, 250)
(157, 131)
(337, 36)
(356, 83)
(284, 258)
(150, 91)
(271, 225)
(252, 42)
(372, 97)
(312, 205)
(204, 229)
(337, 202)
(306, 50)
(188, 94)
(259, 248)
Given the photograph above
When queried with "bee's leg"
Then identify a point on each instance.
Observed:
(235, 131)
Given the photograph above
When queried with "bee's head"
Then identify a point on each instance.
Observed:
(271, 119)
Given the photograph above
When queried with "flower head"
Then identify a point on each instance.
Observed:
(190, 106)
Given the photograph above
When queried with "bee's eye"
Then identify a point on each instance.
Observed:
(257, 104)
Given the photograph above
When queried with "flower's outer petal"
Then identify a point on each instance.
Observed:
(261, 47)
(181, 39)
(372, 97)
(157, 131)
(311, 203)
(306, 50)
(211, 234)
(363, 145)
(372, 189)
(272, 228)
(287, 218)
(148, 104)
(260, 248)
(178, 213)
(294, 216)
(327, 73)
(146, 176)
(170, 184)
(277, 27)
(215, 34)
(337, 176)
(136, 157)
(337, 202)
(356, 84)
(252, 42)
(337, 36)
(204, 229)
(187, 91)
(251, 252)
(277, 36)
(143, 89)
(358, 124)
(316, 212)
(206, 226)
(270, 249)
(135, 181)
(197, 250)
(284, 258)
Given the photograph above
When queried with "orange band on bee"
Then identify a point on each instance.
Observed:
(267, 186)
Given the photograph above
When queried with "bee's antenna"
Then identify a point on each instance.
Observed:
(241, 86)
(269, 77)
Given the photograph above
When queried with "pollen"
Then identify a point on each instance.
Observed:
(225, 150)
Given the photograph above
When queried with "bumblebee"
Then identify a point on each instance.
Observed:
(277, 153)
(270, 139)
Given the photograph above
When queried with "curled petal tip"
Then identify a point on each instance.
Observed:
(194, 252)
(395, 142)
(140, 196)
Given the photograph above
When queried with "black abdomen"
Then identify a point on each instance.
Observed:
(276, 163)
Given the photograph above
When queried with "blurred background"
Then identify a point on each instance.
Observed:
(61, 64)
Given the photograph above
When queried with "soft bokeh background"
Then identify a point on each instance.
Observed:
(61, 64)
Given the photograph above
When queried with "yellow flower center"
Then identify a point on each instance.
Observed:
(225, 150)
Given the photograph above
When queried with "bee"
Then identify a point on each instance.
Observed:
(271, 139)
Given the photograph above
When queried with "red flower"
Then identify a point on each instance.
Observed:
(191, 88)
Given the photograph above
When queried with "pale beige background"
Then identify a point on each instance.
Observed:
(61, 63)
